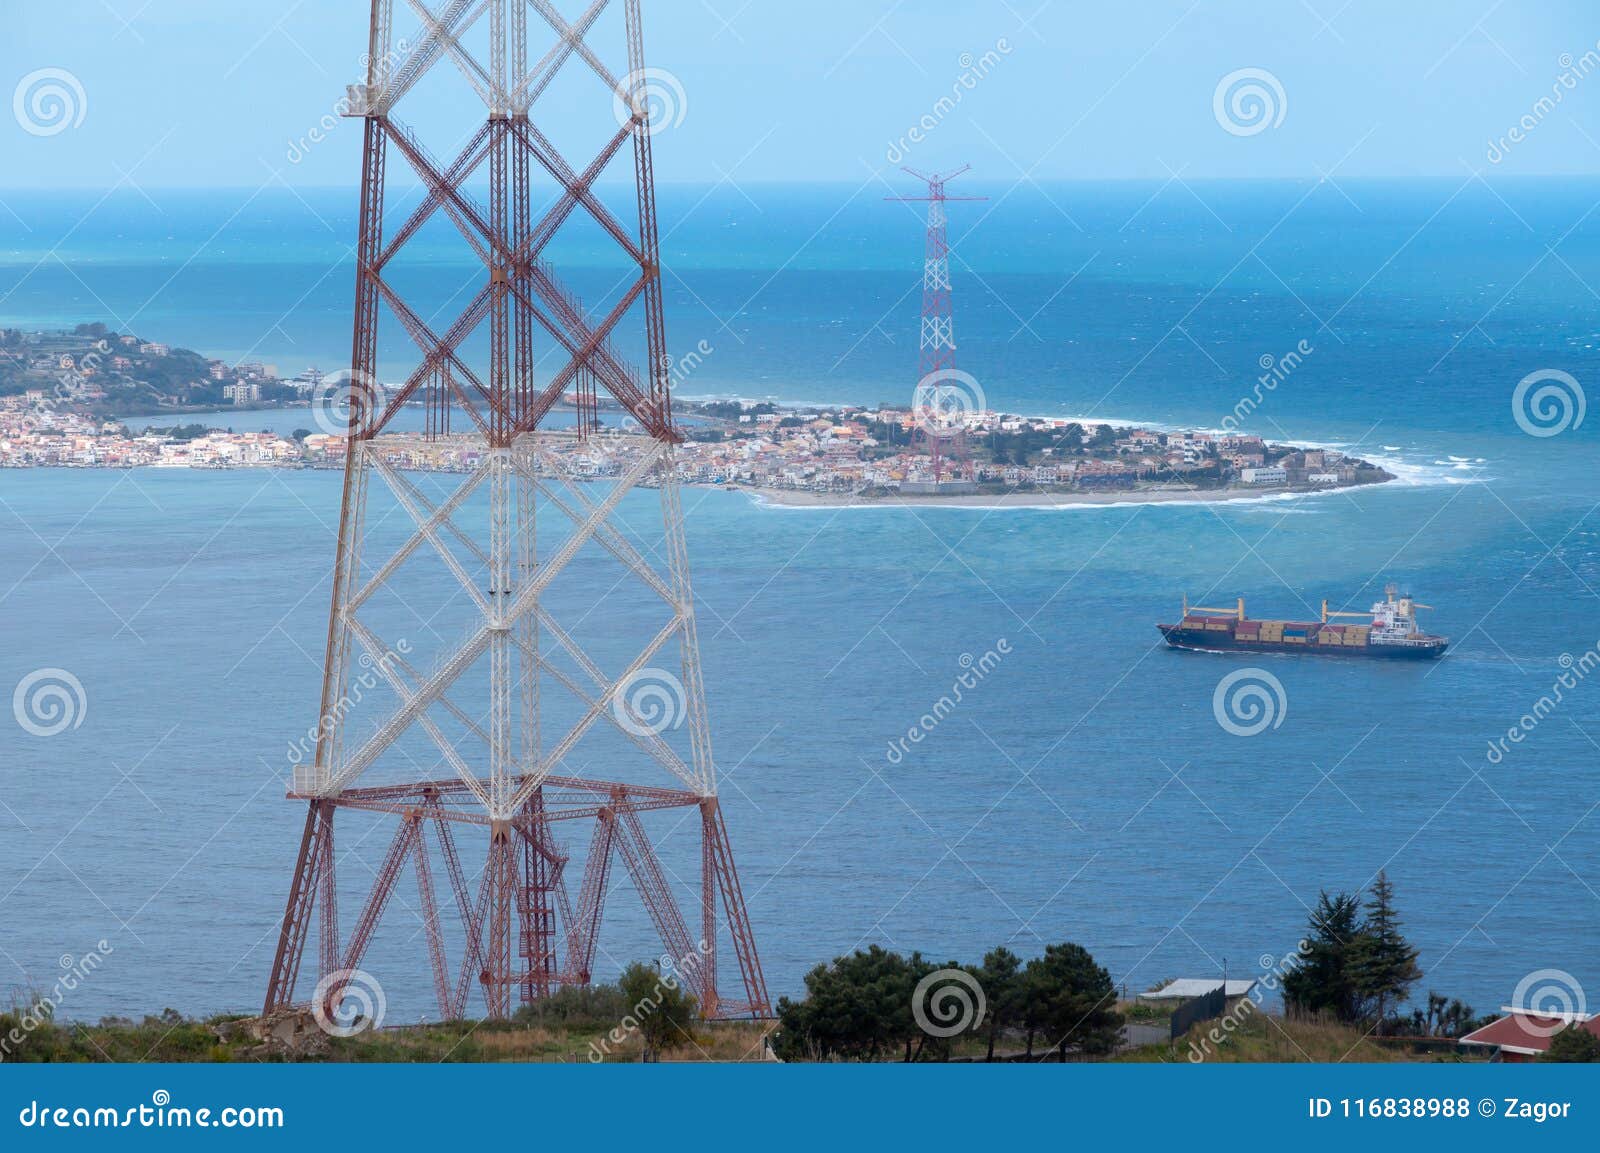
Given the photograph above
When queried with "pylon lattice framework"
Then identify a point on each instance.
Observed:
(521, 934)
(937, 337)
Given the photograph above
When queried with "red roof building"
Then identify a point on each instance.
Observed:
(1522, 1036)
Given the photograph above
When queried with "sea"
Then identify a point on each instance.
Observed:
(1178, 814)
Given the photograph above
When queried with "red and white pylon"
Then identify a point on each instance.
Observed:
(937, 338)
(489, 734)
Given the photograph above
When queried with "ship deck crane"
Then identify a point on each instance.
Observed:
(1328, 613)
(1237, 610)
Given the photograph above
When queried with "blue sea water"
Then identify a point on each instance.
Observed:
(1084, 790)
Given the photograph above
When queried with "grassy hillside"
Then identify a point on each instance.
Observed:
(1261, 1037)
(172, 1038)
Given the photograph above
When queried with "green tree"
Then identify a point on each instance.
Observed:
(1383, 965)
(659, 1006)
(1357, 967)
(1071, 1000)
(1321, 982)
(857, 1008)
(1072, 436)
(1005, 993)
(1573, 1044)
(1103, 437)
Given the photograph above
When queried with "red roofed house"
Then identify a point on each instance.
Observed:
(1522, 1035)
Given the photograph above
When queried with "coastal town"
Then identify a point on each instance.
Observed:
(59, 395)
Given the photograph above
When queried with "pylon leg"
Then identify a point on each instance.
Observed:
(645, 869)
(744, 943)
(708, 908)
(430, 924)
(501, 875)
(583, 932)
(297, 912)
(405, 838)
(474, 964)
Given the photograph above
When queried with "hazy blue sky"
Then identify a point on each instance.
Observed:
(195, 92)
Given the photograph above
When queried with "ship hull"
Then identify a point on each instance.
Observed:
(1211, 640)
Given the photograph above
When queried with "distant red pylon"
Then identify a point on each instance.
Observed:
(938, 336)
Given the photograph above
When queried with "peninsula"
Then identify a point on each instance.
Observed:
(63, 397)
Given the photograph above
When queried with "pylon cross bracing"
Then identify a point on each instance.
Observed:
(519, 709)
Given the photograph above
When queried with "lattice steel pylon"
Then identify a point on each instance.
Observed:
(937, 337)
(514, 550)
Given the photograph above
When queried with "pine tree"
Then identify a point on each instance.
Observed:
(1072, 1001)
(1322, 981)
(1383, 965)
(1005, 990)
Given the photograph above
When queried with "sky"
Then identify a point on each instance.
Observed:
(192, 93)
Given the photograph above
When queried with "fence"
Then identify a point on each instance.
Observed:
(1213, 1004)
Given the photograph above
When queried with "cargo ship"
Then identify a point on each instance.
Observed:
(1389, 631)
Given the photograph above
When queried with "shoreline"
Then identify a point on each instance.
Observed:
(796, 498)
(784, 498)
(780, 459)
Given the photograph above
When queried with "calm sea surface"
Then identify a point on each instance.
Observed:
(1085, 789)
